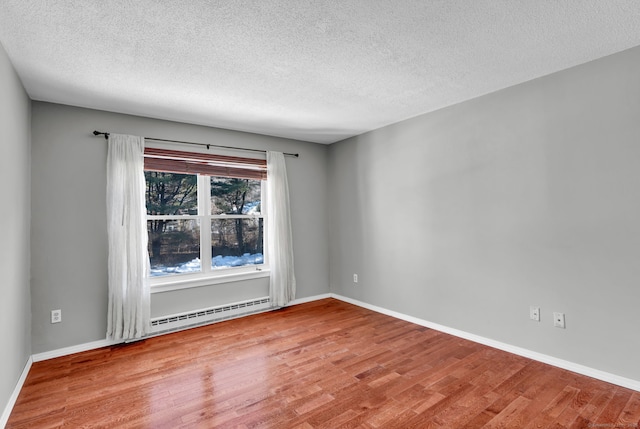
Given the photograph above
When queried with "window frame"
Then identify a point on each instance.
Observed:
(208, 275)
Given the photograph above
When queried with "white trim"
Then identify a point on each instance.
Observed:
(254, 272)
(310, 299)
(540, 357)
(74, 349)
(16, 391)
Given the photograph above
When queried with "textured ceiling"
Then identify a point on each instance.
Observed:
(318, 71)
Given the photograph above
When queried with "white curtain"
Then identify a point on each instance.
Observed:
(282, 282)
(129, 300)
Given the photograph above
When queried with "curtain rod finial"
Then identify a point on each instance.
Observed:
(97, 133)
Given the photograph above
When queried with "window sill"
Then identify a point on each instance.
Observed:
(177, 284)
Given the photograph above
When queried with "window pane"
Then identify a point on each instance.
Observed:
(235, 196)
(171, 193)
(174, 246)
(236, 242)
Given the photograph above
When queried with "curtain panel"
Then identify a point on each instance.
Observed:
(128, 264)
(282, 281)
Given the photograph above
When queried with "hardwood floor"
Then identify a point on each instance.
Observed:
(324, 364)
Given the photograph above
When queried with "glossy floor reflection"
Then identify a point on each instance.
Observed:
(324, 364)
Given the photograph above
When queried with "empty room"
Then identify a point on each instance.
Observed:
(270, 214)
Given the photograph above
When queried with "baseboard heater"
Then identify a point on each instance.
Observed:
(191, 319)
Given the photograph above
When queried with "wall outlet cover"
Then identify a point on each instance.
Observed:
(558, 320)
(534, 313)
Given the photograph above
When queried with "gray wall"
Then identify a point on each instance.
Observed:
(531, 195)
(15, 211)
(69, 239)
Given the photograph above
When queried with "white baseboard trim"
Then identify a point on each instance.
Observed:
(14, 396)
(550, 360)
(540, 357)
(73, 349)
(310, 299)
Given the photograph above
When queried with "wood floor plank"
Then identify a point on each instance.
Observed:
(323, 364)
(578, 404)
(615, 407)
(513, 415)
(630, 415)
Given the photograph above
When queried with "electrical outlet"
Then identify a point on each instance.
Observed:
(558, 320)
(534, 313)
(355, 278)
(56, 316)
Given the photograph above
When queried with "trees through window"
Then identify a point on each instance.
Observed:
(193, 218)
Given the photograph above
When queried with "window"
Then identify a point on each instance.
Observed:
(203, 208)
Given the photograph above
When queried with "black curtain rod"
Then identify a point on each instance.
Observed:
(207, 145)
